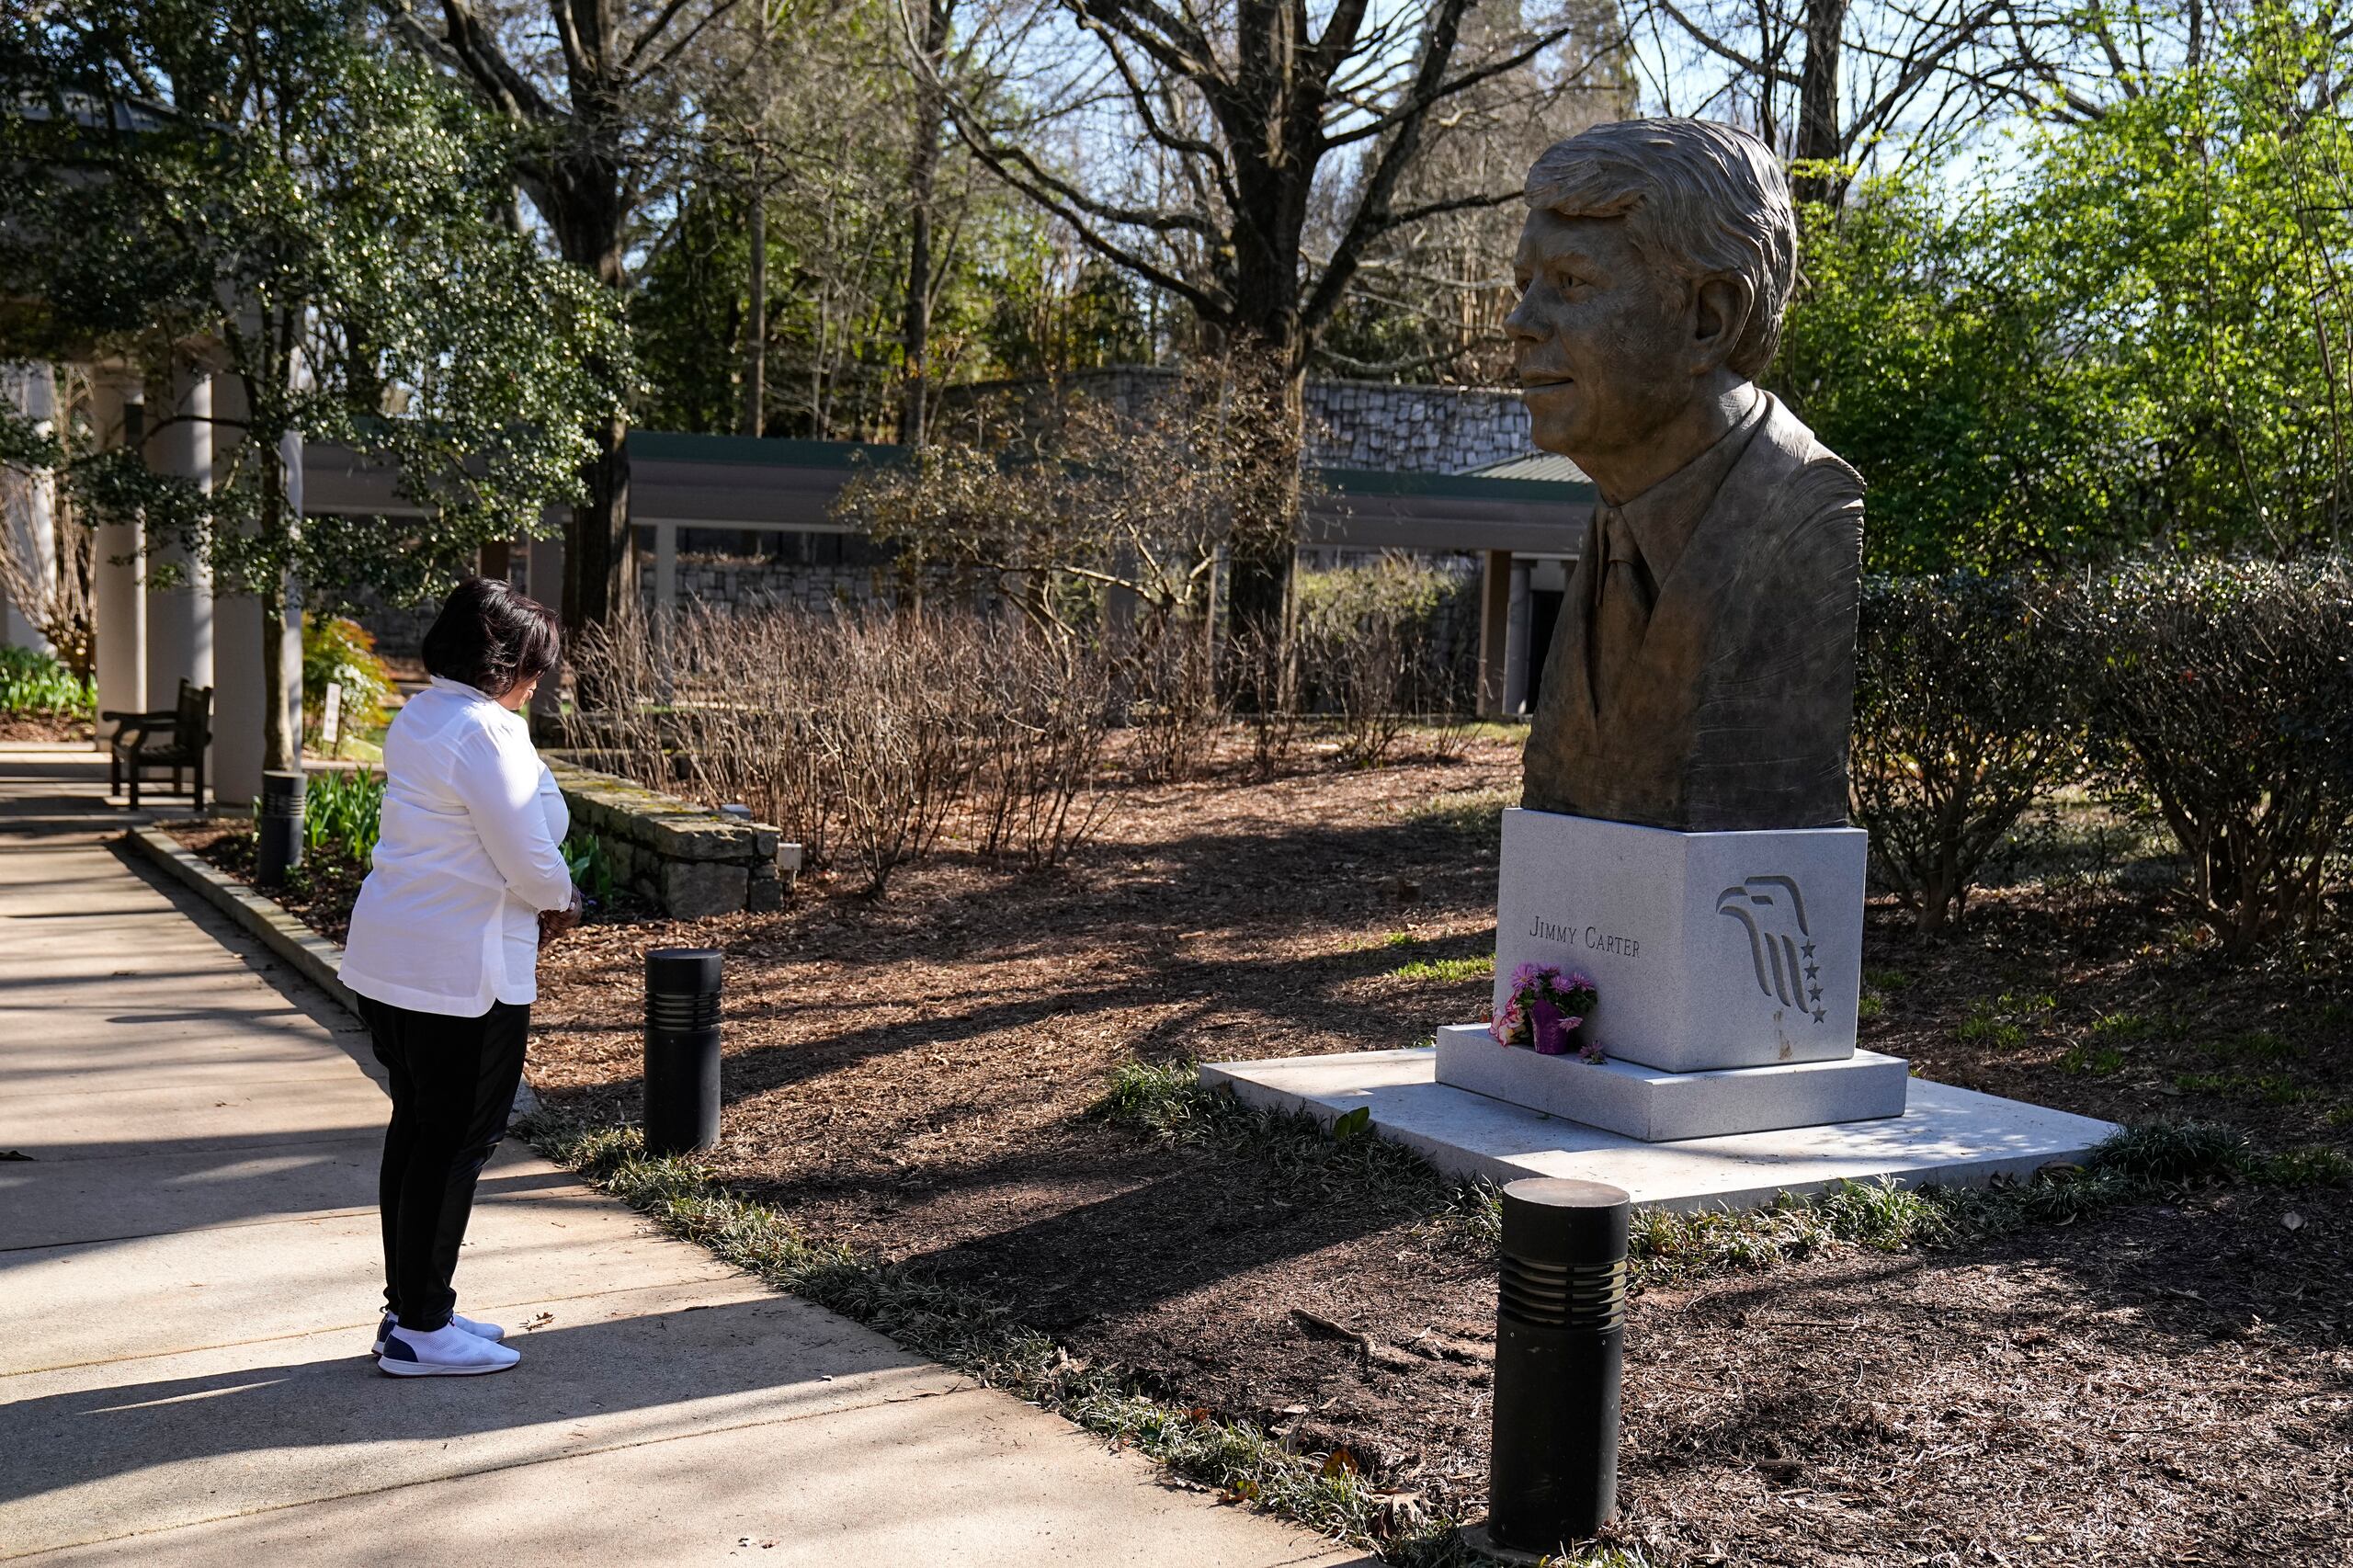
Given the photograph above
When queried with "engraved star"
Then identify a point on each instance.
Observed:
(1814, 994)
(1820, 1017)
(1809, 949)
(1813, 972)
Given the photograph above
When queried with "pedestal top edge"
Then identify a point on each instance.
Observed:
(1718, 836)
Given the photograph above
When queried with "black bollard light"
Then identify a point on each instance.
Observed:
(681, 1049)
(1560, 1348)
(277, 828)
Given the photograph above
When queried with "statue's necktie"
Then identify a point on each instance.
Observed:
(1623, 610)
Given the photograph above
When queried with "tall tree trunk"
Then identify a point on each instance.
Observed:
(923, 170)
(596, 550)
(1818, 138)
(756, 327)
(596, 546)
(1266, 387)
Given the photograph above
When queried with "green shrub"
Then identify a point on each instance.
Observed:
(341, 651)
(1372, 651)
(2175, 1151)
(592, 868)
(1964, 713)
(2222, 691)
(341, 811)
(37, 684)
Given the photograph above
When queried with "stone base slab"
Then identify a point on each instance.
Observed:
(1657, 1107)
(1947, 1136)
(1708, 949)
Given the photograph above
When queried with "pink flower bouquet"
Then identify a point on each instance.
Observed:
(1546, 1011)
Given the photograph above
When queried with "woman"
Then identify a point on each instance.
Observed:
(469, 879)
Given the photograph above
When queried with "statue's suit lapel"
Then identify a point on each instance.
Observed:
(1568, 662)
(1677, 644)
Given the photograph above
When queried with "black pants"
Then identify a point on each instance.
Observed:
(453, 1085)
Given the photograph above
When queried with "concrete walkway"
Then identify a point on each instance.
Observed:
(188, 1273)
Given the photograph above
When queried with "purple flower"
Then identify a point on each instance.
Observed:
(1592, 1053)
(1524, 976)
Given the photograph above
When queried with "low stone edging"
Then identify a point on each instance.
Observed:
(686, 859)
(312, 955)
(315, 958)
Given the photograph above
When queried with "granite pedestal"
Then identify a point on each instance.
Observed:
(1708, 949)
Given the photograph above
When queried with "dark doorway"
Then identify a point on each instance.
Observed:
(1543, 615)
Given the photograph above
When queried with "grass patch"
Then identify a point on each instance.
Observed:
(2273, 1089)
(2086, 1059)
(2115, 1028)
(2254, 1045)
(1446, 968)
(1168, 1100)
(1475, 813)
(2005, 1022)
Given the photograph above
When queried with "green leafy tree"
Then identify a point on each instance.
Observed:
(2141, 340)
(255, 183)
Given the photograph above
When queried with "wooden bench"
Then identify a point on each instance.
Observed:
(174, 737)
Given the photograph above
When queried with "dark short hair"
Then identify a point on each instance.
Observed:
(490, 637)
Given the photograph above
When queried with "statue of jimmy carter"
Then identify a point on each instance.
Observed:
(1702, 671)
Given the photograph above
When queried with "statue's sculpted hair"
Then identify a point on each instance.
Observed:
(1700, 200)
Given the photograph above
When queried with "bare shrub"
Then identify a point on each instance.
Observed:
(1265, 682)
(1034, 793)
(1370, 655)
(895, 727)
(861, 735)
(1173, 705)
(2223, 691)
(1967, 708)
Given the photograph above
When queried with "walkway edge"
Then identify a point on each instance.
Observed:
(314, 958)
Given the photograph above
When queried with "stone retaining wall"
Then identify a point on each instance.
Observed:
(1385, 426)
(688, 860)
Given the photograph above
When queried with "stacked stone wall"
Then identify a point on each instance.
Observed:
(687, 860)
(761, 583)
(1384, 425)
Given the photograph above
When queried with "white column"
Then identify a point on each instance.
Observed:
(119, 606)
(32, 507)
(290, 633)
(236, 642)
(1515, 649)
(179, 592)
(666, 571)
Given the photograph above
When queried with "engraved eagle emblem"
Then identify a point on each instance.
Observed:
(1780, 946)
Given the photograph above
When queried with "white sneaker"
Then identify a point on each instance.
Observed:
(489, 1330)
(445, 1352)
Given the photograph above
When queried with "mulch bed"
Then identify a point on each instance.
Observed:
(319, 892)
(2159, 1385)
(45, 727)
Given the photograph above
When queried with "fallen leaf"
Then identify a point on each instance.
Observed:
(2292, 1220)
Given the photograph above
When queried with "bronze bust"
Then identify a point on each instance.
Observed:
(1702, 671)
